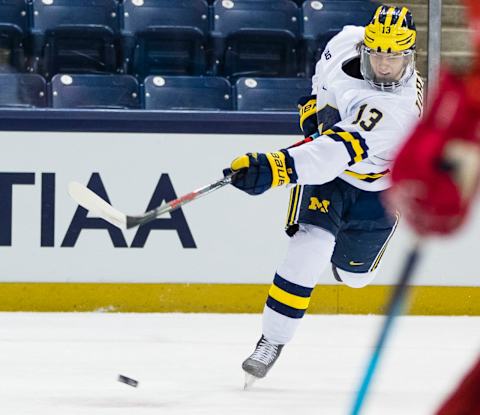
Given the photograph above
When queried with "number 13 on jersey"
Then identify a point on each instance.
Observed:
(371, 119)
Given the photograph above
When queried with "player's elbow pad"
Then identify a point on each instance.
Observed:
(307, 109)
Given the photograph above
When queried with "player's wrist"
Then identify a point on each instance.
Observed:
(283, 168)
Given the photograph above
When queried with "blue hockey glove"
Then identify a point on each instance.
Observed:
(307, 109)
(258, 172)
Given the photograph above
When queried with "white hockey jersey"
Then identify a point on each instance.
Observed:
(361, 127)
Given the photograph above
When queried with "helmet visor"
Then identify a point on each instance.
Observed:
(387, 70)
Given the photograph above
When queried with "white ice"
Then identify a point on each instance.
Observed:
(67, 364)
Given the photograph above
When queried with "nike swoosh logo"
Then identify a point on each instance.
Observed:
(353, 263)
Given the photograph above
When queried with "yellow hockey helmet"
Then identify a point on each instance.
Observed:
(387, 58)
(391, 30)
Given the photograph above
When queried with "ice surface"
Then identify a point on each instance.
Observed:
(68, 363)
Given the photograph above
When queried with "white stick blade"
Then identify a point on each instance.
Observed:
(95, 204)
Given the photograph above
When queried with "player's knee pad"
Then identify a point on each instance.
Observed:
(309, 253)
(354, 279)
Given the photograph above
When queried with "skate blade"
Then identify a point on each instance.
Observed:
(249, 381)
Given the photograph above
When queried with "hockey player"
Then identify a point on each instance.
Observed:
(365, 96)
(436, 177)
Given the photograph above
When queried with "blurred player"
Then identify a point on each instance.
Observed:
(465, 400)
(365, 96)
(436, 177)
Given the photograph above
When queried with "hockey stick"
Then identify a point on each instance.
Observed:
(95, 204)
(394, 309)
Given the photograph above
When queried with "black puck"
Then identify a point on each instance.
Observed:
(128, 381)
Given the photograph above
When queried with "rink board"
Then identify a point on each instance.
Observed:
(216, 254)
(227, 298)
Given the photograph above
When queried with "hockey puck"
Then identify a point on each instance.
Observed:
(128, 381)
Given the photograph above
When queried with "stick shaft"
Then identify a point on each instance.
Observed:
(394, 309)
(176, 203)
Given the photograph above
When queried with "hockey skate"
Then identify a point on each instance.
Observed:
(257, 365)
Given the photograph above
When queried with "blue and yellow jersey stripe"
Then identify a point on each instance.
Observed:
(354, 143)
(379, 256)
(367, 177)
(293, 205)
(287, 298)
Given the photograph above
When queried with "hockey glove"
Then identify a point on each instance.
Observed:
(258, 172)
(307, 109)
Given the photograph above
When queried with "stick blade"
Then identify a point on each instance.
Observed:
(95, 204)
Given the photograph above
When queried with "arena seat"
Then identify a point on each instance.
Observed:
(165, 37)
(22, 90)
(198, 93)
(301, 2)
(13, 29)
(270, 94)
(95, 91)
(255, 38)
(75, 36)
(324, 19)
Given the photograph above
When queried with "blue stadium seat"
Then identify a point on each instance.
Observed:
(301, 2)
(13, 30)
(255, 38)
(75, 36)
(95, 91)
(200, 93)
(22, 90)
(324, 19)
(165, 37)
(270, 94)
